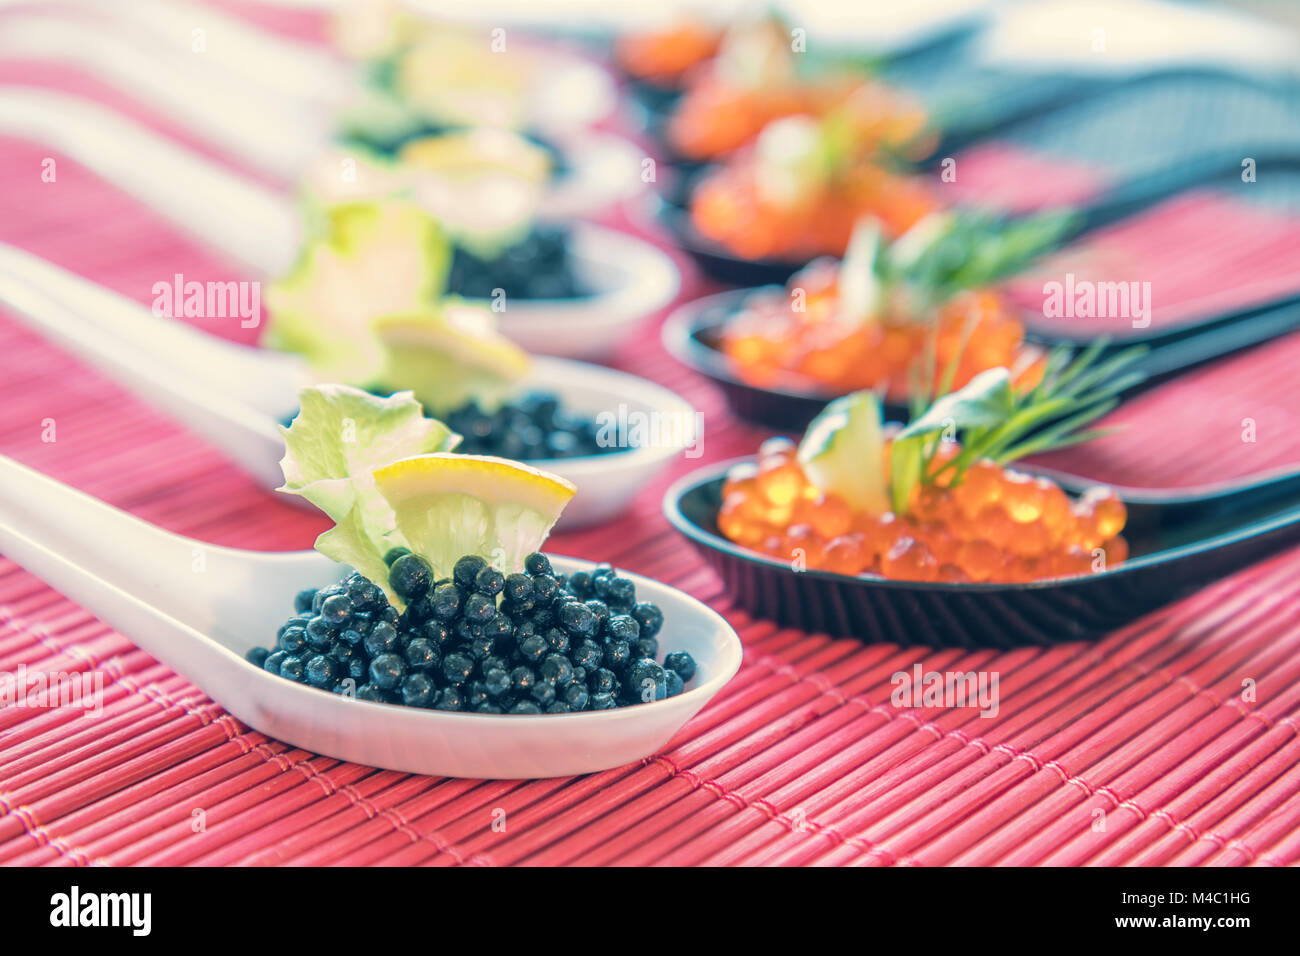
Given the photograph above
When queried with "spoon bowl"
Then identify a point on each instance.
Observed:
(262, 228)
(199, 608)
(1178, 540)
(237, 396)
(713, 258)
(630, 280)
(692, 334)
(601, 171)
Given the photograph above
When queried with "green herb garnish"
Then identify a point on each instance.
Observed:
(1001, 422)
(943, 254)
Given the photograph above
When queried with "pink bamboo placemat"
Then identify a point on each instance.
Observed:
(1193, 257)
(801, 759)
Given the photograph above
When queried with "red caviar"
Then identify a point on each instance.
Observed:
(729, 207)
(771, 340)
(716, 117)
(996, 524)
(662, 56)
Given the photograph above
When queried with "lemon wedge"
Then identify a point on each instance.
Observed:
(449, 505)
(483, 185)
(452, 78)
(449, 355)
(842, 452)
(468, 153)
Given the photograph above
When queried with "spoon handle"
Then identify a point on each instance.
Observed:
(1222, 337)
(139, 347)
(1208, 170)
(129, 572)
(240, 219)
(200, 381)
(968, 120)
(234, 118)
(1273, 490)
(87, 549)
(296, 72)
(973, 117)
(200, 388)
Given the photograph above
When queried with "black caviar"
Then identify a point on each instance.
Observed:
(537, 267)
(533, 428)
(529, 642)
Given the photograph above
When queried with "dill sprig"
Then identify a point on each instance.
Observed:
(1003, 423)
(941, 255)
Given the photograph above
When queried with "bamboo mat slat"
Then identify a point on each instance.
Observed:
(802, 759)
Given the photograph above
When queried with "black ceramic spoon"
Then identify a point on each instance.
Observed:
(1179, 541)
(692, 336)
(693, 331)
(721, 264)
(992, 105)
(659, 101)
(976, 118)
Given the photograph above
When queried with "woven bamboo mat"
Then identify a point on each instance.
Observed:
(1139, 749)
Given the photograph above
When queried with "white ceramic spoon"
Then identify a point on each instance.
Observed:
(242, 220)
(232, 48)
(267, 133)
(567, 92)
(199, 608)
(603, 170)
(235, 396)
(261, 228)
(253, 126)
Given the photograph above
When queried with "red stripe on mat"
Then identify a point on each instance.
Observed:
(801, 759)
(1013, 179)
(1193, 257)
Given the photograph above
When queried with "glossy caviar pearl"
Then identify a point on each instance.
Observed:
(994, 524)
(483, 643)
(909, 560)
(410, 576)
(682, 663)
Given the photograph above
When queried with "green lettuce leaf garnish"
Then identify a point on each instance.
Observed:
(756, 52)
(339, 438)
(377, 118)
(350, 174)
(365, 307)
(861, 287)
(985, 402)
(376, 258)
(948, 251)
